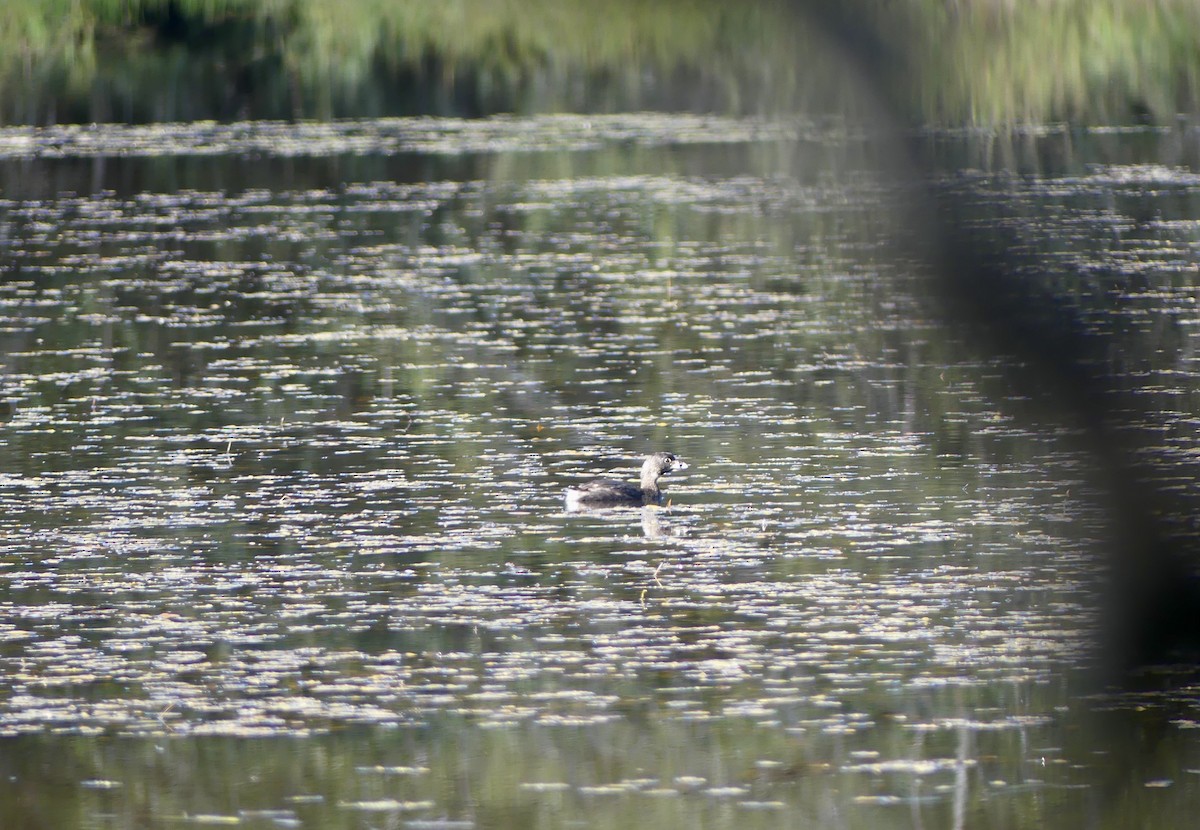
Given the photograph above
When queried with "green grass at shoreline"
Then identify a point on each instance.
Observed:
(953, 63)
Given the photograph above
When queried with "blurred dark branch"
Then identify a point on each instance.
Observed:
(996, 292)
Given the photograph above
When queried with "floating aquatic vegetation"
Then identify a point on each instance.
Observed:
(384, 136)
(288, 461)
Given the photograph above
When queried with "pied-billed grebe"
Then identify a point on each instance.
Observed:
(604, 492)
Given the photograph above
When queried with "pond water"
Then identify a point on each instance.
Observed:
(287, 413)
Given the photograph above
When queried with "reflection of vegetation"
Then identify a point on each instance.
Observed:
(521, 775)
(508, 313)
(153, 60)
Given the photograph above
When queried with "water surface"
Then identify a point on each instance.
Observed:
(287, 414)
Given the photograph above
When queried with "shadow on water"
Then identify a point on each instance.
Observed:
(1018, 294)
(1063, 315)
